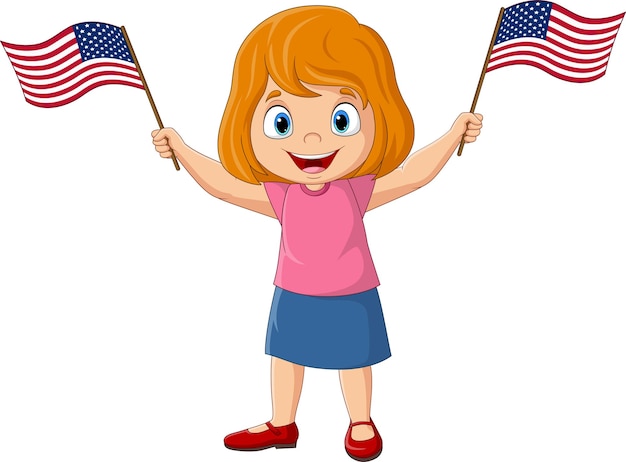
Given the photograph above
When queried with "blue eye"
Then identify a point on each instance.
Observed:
(277, 123)
(345, 120)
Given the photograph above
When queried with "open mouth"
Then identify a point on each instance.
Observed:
(313, 164)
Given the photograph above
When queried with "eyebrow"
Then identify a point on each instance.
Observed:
(277, 93)
(273, 94)
(347, 91)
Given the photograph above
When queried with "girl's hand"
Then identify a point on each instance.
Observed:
(468, 126)
(167, 141)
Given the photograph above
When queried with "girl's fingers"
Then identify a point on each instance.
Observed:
(474, 118)
(164, 151)
(160, 142)
(159, 135)
(474, 124)
(163, 148)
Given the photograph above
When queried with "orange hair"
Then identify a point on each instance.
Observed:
(317, 45)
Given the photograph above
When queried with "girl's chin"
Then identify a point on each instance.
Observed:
(314, 177)
(325, 176)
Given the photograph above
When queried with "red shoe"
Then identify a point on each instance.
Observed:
(273, 437)
(364, 450)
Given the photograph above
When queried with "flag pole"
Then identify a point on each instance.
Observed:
(482, 75)
(145, 86)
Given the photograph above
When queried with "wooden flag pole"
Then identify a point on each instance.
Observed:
(482, 75)
(145, 86)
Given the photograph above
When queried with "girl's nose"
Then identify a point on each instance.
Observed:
(312, 137)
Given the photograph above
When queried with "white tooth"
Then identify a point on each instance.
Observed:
(315, 157)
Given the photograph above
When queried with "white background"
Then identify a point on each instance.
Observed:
(133, 305)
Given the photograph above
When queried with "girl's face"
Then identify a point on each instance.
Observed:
(312, 140)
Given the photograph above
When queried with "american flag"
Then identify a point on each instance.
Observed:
(555, 40)
(76, 60)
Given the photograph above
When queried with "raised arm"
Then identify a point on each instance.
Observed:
(211, 175)
(424, 165)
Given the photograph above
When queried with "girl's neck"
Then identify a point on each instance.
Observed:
(314, 187)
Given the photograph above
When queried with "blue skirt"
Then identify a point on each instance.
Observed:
(338, 332)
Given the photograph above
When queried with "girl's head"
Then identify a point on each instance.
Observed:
(307, 82)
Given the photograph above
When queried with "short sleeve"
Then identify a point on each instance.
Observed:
(363, 186)
(276, 193)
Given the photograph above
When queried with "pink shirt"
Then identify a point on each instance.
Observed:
(323, 246)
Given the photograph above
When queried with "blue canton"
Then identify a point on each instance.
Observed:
(527, 19)
(100, 40)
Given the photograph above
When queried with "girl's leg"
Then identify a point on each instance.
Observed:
(287, 381)
(356, 385)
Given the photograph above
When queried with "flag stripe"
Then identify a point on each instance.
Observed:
(558, 74)
(69, 89)
(72, 81)
(72, 63)
(536, 56)
(25, 49)
(578, 30)
(582, 19)
(558, 61)
(18, 57)
(568, 37)
(47, 63)
(548, 48)
(547, 36)
(49, 69)
(65, 75)
(55, 102)
(580, 50)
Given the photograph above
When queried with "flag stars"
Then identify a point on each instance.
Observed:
(101, 41)
(529, 19)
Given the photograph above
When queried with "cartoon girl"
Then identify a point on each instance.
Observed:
(315, 133)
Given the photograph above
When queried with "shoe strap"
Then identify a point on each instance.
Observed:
(273, 429)
(354, 424)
